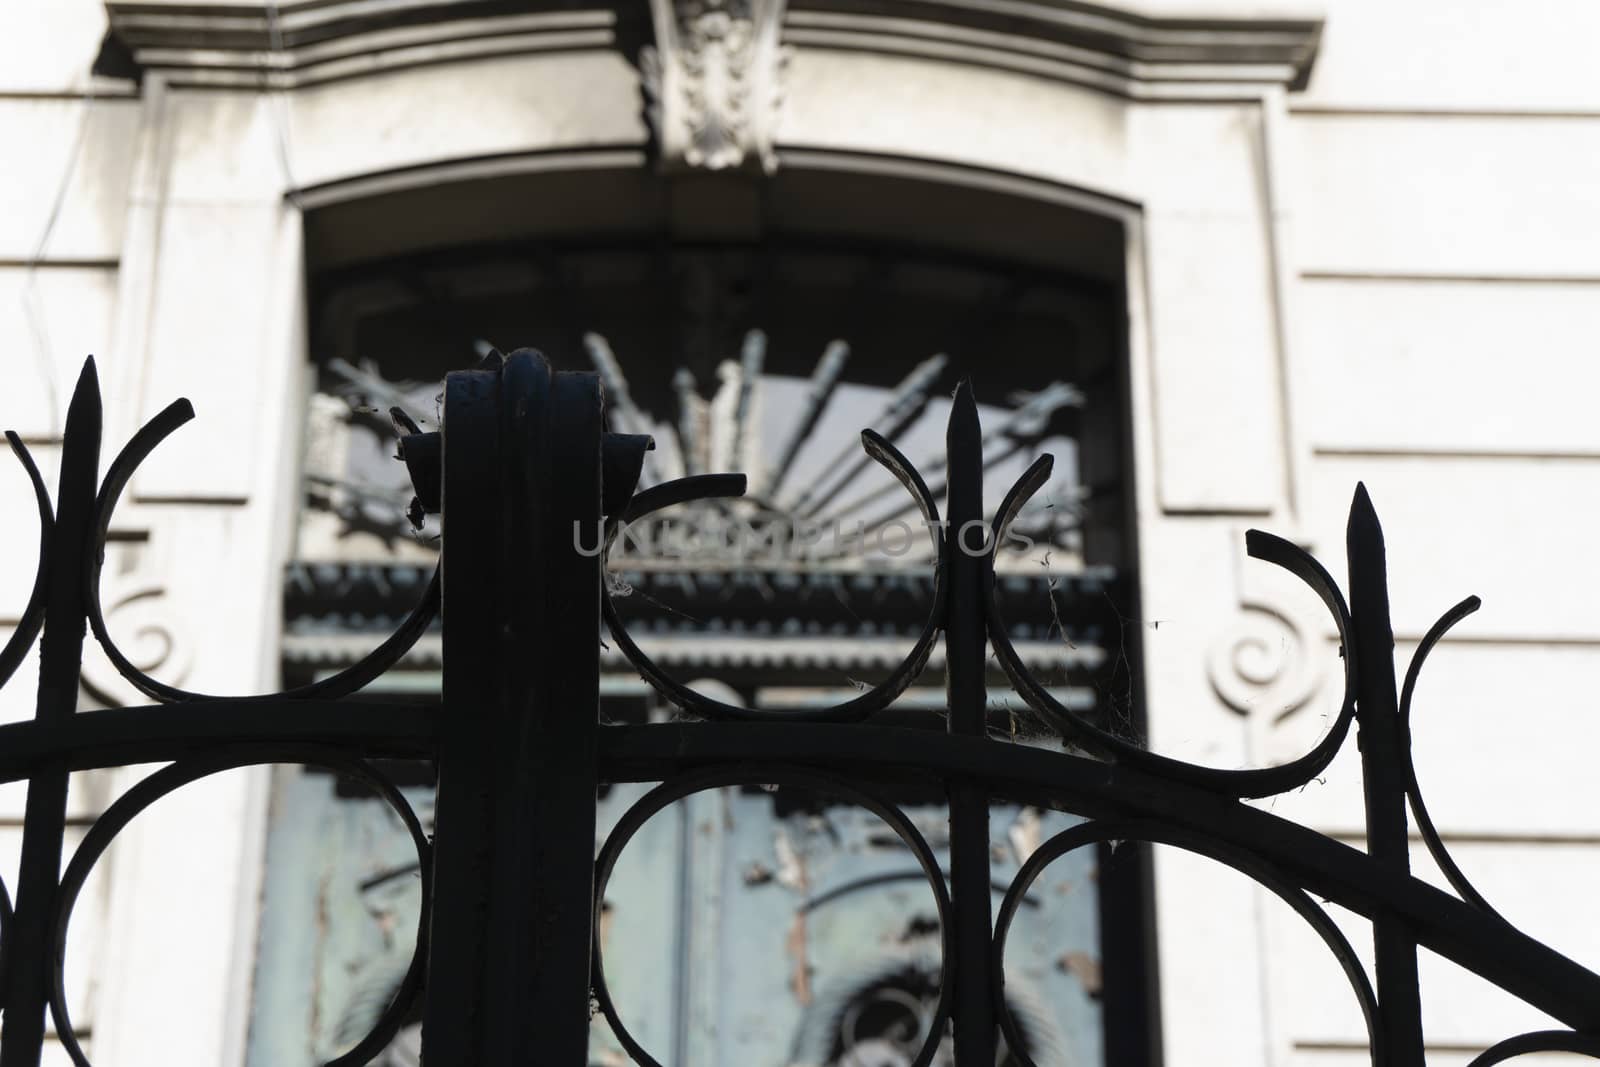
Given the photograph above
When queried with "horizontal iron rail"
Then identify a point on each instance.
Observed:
(157, 733)
(1320, 865)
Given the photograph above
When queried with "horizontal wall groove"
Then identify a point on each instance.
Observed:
(1362, 1046)
(1469, 455)
(1500, 640)
(1473, 278)
(61, 263)
(1403, 111)
(120, 91)
(1497, 838)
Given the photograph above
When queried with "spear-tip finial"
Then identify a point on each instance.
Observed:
(84, 409)
(1363, 516)
(963, 412)
(88, 377)
(1367, 554)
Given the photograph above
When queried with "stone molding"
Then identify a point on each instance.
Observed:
(290, 45)
(718, 61)
(1136, 59)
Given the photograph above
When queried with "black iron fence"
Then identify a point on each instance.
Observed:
(506, 957)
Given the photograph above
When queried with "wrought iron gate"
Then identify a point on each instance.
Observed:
(506, 955)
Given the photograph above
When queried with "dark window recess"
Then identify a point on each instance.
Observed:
(768, 360)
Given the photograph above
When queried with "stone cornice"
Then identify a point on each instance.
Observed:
(1135, 56)
(1121, 49)
(288, 45)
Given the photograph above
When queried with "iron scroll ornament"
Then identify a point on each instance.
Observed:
(350, 680)
(1124, 791)
(203, 735)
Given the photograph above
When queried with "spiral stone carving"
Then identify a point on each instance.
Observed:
(1264, 663)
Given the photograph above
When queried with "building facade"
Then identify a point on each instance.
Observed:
(1272, 248)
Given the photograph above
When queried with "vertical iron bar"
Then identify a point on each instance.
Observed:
(553, 677)
(1383, 774)
(29, 951)
(1130, 992)
(453, 1020)
(971, 572)
(511, 938)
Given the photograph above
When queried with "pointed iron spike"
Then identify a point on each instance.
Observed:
(84, 409)
(963, 412)
(1364, 516)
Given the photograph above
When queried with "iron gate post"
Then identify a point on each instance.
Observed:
(508, 975)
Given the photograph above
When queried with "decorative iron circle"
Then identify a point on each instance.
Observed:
(871, 701)
(345, 682)
(1254, 782)
(1258, 870)
(699, 781)
(184, 772)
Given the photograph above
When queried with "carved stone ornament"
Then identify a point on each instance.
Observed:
(1270, 659)
(712, 82)
(1266, 662)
